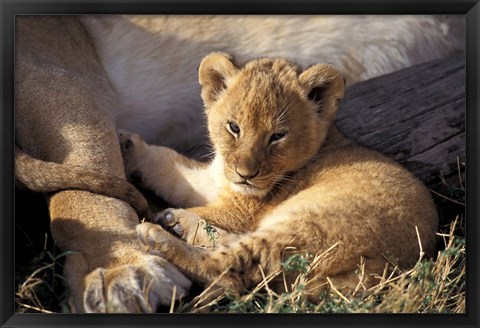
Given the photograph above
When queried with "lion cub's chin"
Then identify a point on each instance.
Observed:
(249, 190)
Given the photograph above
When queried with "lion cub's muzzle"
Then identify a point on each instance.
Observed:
(246, 168)
(250, 183)
(245, 176)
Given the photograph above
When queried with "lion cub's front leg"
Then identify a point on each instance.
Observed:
(180, 181)
(200, 264)
(234, 266)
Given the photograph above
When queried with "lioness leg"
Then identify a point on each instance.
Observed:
(63, 114)
(106, 272)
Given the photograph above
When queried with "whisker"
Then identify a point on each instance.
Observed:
(207, 155)
(283, 110)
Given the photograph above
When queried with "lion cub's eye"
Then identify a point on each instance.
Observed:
(233, 129)
(276, 137)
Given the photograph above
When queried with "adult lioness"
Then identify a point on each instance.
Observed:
(282, 177)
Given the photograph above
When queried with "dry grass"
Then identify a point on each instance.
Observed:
(40, 286)
(430, 287)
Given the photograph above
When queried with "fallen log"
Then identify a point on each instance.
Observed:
(417, 117)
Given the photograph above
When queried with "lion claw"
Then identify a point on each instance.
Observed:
(169, 222)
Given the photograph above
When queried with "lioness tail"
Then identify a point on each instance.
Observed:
(43, 176)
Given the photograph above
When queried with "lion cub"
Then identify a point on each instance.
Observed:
(283, 179)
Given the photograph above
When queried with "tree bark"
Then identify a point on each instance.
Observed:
(415, 116)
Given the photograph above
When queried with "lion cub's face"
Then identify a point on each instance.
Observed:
(267, 118)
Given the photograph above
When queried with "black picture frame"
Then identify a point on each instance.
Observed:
(11, 8)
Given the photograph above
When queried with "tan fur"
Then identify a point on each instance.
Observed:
(42, 176)
(63, 117)
(309, 190)
(78, 81)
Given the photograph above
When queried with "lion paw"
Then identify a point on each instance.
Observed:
(134, 149)
(158, 240)
(181, 223)
(134, 288)
(129, 141)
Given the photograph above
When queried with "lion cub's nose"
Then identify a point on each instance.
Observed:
(245, 175)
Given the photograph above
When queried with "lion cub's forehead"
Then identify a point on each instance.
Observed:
(272, 70)
(267, 86)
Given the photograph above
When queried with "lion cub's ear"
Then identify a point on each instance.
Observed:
(325, 86)
(213, 73)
